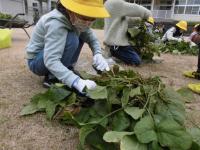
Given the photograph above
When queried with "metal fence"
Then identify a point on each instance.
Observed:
(164, 14)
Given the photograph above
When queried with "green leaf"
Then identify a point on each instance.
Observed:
(91, 116)
(135, 92)
(133, 32)
(134, 112)
(95, 140)
(68, 118)
(156, 146)
(148, 89)
(170, 95)
(125, 96)
(131, 143)
(60, 85)
(195, 133)
(173, 135)
(187, 94)
(50, 109)
(195, 146)
(56, 94)
(42, 103)
(145, 130)
(172, 110)
(175, 52)
(85, 75)
(71, 99)
(83, 133)
(83, 116)
(114, 136)
(100, 92)
(45, 101)
(133, 43)
(32, 106)
(120, 121)
(29, 109)
(112, 96)
(115, 69)
(173, 105)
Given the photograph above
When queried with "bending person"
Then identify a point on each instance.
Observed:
(175, 33)
(115, 29)
(57, 40)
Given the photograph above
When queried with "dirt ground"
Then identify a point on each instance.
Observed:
(18, 85)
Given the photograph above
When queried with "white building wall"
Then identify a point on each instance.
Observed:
(17, 6)
(11, 6)
(193, 18)
(168, 8)
(31, 8)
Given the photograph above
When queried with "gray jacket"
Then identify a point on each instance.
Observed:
(122, 13)
(50, 35)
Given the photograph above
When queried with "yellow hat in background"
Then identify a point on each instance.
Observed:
(151, 20)
(89, 8)
(196, 25)
(182, 24)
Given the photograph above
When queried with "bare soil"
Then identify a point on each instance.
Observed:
(35, 132)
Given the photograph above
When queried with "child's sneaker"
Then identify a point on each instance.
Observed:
(49, 81)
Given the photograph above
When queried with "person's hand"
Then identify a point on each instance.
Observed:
(192, 44)
(100, 63)
(80, 84)
(179, 40)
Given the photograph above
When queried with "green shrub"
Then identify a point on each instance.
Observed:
(98, 24)
(5, 16)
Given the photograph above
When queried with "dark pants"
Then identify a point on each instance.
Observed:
(69, 58)
(126, 53)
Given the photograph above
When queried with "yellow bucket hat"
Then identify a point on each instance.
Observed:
(151, 20)
(89, 8)
(196, 25)
(182, 24)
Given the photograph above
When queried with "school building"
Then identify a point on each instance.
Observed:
(188, 10)
(28, 7)
(163, 10)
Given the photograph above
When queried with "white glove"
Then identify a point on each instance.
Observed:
(192, 44)
(80, 84)
(179, 40)
(100, 63)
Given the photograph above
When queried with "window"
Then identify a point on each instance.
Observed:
(35, 4)
(165, 7)
(180, 2)
(148, 7)
(179, 10)
(53, 5)
(192, 7)
(192, 10)
(166, 2)
(193, 2)
(143, 2)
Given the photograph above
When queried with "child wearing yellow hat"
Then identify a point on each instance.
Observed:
(57, 39)
(175, 33)
(116, 27)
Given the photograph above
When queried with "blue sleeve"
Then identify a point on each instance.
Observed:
(55, 40)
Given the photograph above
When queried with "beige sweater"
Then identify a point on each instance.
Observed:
(115, 29)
